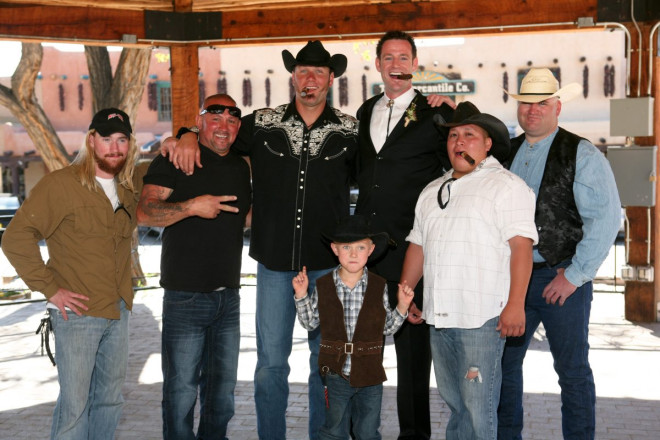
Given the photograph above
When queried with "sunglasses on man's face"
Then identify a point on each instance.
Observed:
(218, 109)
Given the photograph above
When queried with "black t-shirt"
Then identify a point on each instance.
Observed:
(202, 255)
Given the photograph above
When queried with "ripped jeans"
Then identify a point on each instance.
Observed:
(468, 372)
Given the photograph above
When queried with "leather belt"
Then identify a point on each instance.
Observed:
(352, 348)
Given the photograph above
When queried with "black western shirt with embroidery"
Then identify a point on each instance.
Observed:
(300, 183)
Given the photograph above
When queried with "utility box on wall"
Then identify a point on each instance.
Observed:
(631, 117)
(635, 173)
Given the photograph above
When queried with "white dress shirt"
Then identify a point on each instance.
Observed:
(381, 114)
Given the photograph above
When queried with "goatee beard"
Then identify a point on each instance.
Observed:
(106, 166)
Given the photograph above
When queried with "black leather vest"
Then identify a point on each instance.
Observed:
(558, 221)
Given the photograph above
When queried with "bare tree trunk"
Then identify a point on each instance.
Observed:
(22, 103)
(125, 90)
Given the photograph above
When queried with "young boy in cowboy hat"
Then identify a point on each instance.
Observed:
(351, 306)
(472, 241)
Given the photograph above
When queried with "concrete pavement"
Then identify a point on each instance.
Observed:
(625, 358)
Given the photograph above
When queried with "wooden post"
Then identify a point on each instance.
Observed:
(185, 85)
(641, 298)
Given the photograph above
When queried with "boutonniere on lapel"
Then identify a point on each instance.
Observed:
(411, 116)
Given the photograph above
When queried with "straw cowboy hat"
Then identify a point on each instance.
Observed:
(540, 84)
(467, 113)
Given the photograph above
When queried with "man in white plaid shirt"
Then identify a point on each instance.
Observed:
(351, 306)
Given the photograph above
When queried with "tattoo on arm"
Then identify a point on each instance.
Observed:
(157, 210)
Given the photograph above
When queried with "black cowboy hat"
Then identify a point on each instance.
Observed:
(467, 113)
(356, 228)
(314, 54)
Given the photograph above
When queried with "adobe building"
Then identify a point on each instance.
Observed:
(465, 68)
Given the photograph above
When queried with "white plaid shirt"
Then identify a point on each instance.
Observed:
(351, 300)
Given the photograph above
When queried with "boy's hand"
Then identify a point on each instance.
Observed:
(300, 283)
(404, 296)
(512, 321)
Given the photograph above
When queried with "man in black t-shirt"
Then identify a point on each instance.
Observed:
(203, 215)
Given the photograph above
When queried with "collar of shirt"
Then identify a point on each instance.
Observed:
(378, 128)
(326, 115)
(339, 283)
(529, 163)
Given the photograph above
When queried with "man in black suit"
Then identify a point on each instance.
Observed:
(400, 152)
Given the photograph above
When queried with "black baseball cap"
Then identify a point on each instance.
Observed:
(111, 120)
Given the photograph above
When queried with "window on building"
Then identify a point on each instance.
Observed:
(164, 101)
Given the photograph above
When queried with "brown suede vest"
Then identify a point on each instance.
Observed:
(366, 349)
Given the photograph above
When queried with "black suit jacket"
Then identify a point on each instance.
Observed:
(390, 182)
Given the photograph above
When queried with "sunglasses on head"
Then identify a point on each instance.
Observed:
(218, 109)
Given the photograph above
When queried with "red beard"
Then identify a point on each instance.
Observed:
(109, 167)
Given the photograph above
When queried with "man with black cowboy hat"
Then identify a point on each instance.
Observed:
(577, 216)
(400, 153)
(302, 156)
(86, 214)
(472, 241)
(351, 307)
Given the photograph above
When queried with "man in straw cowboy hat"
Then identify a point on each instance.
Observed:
(302, 156)
(472, 241)
(577, 218)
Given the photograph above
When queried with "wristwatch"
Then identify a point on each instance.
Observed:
(194, 129)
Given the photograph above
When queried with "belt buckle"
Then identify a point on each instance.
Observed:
(347, 346)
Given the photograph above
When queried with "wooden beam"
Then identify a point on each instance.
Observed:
(459, 15)
(81, 24)
(70, 24)
(185, 85)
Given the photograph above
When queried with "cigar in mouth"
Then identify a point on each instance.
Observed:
(467, 157)
(402, 76)
(304, 92)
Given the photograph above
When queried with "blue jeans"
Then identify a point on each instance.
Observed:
(567, 330)
(201, 339)
(275, 317)
(468, 372)
(92, 357)
(346, 404)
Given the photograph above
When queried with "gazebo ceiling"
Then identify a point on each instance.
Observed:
(200, 22)
(199, 5)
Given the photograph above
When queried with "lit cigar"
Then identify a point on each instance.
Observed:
(467, 157)
(402, 76)
(305, 91)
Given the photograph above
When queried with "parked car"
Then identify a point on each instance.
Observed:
(8, 206)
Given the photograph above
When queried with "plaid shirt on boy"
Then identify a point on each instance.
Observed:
(351, 300)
